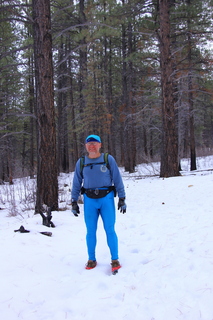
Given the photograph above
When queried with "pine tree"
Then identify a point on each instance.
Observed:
(47, 173)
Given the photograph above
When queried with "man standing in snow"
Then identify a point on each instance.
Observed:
(98, 181)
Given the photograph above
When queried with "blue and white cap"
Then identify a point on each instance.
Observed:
(93, 137)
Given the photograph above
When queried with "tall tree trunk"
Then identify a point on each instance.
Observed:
(129, 136)
(131, 103)
(82, 66)
(74, 144)
(127, 84)
(123, 134)
(47, 173)
(111, 106)
(169, 157)
(32, 120)
(191, 125)
(190, 99)
(63, 158)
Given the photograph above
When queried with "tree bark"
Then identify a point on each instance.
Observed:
(127, 88)
(82, 83)
(63, 155)
(32, 120)
(190, 98)
(169, 157)
(47, 173)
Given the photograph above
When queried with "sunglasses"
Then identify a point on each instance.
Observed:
(93, 143)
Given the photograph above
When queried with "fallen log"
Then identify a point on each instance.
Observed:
(23, 230)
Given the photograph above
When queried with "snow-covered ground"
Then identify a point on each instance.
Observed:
(165, 245)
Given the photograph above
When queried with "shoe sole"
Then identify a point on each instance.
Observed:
(116, 268)
(89, 268)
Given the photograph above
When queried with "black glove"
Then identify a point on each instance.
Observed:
(75, 208)
(122, 205)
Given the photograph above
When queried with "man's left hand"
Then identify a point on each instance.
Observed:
(122, 205)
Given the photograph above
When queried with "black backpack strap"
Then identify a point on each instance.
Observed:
(106, 160)
(82, 161)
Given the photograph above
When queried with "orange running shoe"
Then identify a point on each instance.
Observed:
(91, 264)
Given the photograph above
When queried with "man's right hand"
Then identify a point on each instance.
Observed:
(75, 208)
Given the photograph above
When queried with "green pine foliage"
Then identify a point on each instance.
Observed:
(107, 78)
